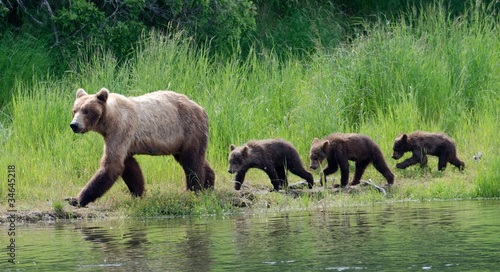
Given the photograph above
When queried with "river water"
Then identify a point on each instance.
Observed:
(402, 236)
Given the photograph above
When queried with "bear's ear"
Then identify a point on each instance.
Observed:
(244, 151)
(102, 95)
(315, 140)
(404, 138)
(325, 145)
(80, 93)
(232, 147)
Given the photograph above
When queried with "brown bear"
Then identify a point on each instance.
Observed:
(158, 123)
(421, 143)
(274, 156)
(338, 149)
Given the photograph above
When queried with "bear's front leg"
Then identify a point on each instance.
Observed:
(330, 168)
(443, 161)
(132, 175)
(273, 175)
(416, 158)
(358, 173)
(344, 172)
(282, 177)
(99, 184)
(209, 176)
(239, 178)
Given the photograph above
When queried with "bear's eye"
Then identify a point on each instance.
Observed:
(85, 111)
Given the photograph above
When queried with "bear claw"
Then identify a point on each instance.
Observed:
(72, 201)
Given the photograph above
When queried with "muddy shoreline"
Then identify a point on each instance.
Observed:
(244, 199)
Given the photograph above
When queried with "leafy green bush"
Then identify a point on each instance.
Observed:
(117, 25)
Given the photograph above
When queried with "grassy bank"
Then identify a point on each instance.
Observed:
(424, 72)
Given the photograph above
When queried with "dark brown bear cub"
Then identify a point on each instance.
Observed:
(274, 156)
(338, 149)
(158, 123)
(421, 143)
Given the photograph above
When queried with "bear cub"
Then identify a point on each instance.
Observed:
(338, 149)
(421, 144)
(274, 156)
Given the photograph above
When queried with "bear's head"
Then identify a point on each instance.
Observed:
(319, 151)
(400, 146)
(238, 158)
(88, 110)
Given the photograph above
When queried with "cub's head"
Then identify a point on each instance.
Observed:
(238, 158)
(318, 152)
(400, 146)
(88, 110)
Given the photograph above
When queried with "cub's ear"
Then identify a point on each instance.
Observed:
(404, 138)
(102, 95)
(315, 140)
(232, 147)
(80, 93)
(325, 145)
(244, 151)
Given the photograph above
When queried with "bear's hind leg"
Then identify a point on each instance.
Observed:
(295, 166)
(382, 167)
(132, 175)
(303, 173)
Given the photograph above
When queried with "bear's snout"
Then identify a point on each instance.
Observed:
(313, 167)
(396, 156)
(75, 127)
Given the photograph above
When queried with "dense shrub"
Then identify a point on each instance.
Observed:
(117, 25)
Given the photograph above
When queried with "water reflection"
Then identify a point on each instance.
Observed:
(115, 249)
(455, 235)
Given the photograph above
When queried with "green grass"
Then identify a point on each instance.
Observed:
(424, 72)
(23, 58)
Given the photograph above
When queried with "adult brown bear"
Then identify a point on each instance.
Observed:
(158, 123)
(421, 143)
(338, 149)
(274, 156)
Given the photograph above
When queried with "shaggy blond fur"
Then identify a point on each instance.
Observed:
(159, 123)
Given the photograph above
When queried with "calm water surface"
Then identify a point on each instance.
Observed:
(409, 236)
